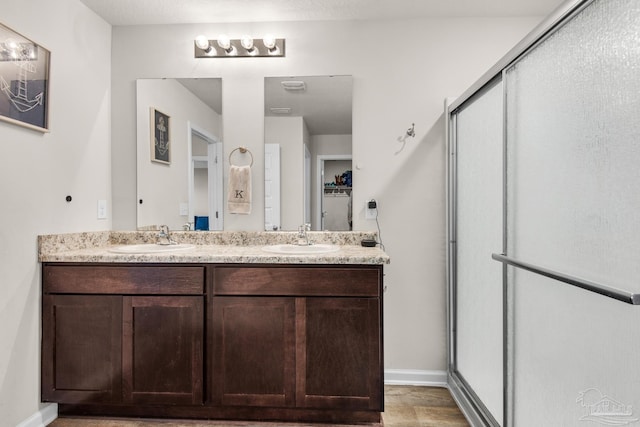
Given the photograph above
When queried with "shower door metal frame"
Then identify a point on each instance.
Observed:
(468, 401)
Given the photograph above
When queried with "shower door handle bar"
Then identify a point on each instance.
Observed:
(608, 291)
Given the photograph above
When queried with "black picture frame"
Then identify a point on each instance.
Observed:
(160, 137)
(24, 81)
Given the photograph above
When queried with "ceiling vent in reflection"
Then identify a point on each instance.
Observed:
(280, 110)
(294, 85)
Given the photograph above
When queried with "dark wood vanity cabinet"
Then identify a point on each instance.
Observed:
(299, 337)
(339, 357)
(82, 348)
(221, 341)
(253, 352)
(163, 350)
(106, 341)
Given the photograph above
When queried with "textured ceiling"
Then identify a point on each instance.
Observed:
(140, 12)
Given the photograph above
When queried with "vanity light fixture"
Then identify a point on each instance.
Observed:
(225, 47)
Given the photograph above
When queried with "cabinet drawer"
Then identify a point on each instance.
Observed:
(364, 281)
(133, 279)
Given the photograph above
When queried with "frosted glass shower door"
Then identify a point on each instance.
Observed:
(479, 224)
(573, 206)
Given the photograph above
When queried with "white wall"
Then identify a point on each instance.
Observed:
(200, 192)
(288, 132)
(38, 171)
(395, 83)
(331, 144)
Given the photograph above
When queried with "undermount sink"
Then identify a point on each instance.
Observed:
(150, 248)
(301, 250)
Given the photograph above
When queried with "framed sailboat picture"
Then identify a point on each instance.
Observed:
(24, 81)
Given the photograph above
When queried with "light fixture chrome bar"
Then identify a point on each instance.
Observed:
(261, 49)
(609, 291)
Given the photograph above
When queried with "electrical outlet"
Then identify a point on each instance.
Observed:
(184, 209)
(102, 209)
(371, 209)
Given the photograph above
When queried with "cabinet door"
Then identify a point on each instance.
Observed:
(81, 348)
(254, 351)
(339, 359)
(163, 350)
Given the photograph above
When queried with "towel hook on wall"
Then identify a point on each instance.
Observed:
(242, 150)
(411, 132)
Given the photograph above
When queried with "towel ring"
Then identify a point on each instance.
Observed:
(242, 150)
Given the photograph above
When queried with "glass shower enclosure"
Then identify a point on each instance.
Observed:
(544, 230)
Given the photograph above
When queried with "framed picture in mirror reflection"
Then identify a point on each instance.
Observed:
(160, 137)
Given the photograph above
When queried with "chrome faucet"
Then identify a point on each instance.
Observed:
(303, 234)
(163, 236)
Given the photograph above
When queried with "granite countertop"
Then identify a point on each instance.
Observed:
(210, 247)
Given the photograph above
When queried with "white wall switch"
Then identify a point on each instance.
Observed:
(102, 209)
(184, 209)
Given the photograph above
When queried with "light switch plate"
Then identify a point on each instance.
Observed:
(102, 209)
(184, 209)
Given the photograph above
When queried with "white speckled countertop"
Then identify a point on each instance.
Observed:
(211, 247)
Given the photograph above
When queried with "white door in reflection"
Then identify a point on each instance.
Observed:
(271, 187)
(205, 179)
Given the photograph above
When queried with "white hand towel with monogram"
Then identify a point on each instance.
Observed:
(239, 196)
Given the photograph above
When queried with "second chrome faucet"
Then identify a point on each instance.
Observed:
(303, 234)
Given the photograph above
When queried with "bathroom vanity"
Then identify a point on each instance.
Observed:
(219, 332)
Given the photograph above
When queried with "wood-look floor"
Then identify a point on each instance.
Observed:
(405, 406)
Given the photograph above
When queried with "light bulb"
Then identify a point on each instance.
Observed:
(224, 42)
(202, 42)
(247, 42)
(269, 41)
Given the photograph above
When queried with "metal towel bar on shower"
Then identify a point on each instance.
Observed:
(609, 291)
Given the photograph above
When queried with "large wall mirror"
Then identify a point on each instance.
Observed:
(308, 127)
(179, 138)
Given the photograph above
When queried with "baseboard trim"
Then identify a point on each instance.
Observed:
(43, 417)
(415, 377)
(49, 413)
